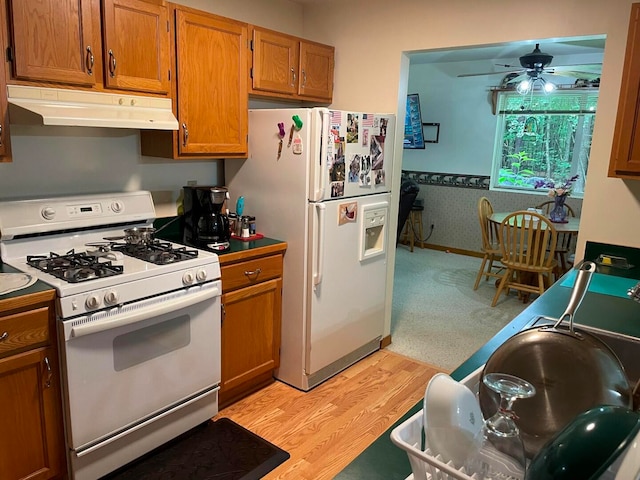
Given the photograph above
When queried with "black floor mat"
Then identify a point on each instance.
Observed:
(220, 450)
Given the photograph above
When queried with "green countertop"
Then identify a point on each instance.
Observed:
(36, 287)
(383, 460)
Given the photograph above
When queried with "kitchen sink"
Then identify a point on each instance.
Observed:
(626, 348)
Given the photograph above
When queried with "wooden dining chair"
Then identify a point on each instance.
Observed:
(490, 245)
(528, 245)
(565, 240)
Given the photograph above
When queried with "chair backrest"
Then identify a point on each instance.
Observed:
(548, 205)
(527, 239)
(489, 229)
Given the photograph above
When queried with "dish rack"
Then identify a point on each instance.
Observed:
(425, 465)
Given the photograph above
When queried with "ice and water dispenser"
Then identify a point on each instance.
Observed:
(373, 230)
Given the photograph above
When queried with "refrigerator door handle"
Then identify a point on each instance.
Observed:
(317, 275)
(324, 145)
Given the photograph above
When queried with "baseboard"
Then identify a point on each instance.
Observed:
(443, 248)
(385, 341)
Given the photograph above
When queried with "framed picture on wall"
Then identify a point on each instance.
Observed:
(413, 134)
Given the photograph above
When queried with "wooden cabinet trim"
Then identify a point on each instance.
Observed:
(625, 158)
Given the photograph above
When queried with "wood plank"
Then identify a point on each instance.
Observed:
(326, 428)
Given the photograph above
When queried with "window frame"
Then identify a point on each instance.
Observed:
(585, 107)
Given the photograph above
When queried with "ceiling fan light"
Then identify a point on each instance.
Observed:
(524, 87)
(549, 87)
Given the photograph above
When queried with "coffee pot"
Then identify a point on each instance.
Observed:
(205, 225)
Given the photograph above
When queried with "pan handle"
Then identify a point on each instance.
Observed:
(585, 272)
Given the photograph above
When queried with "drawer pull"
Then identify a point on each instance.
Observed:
(47, 382)
(253, 273)
(4, 336)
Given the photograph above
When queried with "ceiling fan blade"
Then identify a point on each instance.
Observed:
(587, 75)
(490, 73)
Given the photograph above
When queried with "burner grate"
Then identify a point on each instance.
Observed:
(160, 253)
(74, 267)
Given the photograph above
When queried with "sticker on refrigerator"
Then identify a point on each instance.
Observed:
(364, 180)
(383, 126)
(337, 189)
(347, 213)
(354, 168)
(365, 137)
(336, 118)
(336, 166)
(353, 121)
(377, 152)
(379, 178)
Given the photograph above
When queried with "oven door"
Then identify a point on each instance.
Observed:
(126, 366)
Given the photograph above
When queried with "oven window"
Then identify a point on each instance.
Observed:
(150, 342)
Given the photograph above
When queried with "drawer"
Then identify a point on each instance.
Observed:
(251, 272)
(24, 329)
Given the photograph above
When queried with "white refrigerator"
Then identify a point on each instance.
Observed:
(320, 180)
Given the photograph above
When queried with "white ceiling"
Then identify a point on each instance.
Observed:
(510, 52)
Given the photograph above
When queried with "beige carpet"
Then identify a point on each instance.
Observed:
(437, 317)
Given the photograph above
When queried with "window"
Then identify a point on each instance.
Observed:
(543, 137)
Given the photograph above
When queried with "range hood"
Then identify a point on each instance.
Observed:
(54, 106)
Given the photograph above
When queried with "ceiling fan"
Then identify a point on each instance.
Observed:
(537, 63)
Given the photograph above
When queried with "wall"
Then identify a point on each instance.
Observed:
(69, 160)
(372, 37)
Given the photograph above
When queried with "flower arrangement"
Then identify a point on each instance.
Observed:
(557, 189)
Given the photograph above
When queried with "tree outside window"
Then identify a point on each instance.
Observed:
(543, 137)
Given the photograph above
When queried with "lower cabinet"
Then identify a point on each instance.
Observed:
(32, 434)
(251, 319)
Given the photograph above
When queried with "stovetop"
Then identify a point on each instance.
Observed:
(62, 243)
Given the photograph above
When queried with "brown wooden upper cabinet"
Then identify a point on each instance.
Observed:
(211, 100)
(58, 41)
(625, 155)
(136, 46)
(284, 66)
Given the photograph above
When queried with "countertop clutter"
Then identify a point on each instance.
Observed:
(603, 308)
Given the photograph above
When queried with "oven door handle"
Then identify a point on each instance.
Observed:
(144, 313)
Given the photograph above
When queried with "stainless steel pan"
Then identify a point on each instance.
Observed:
(141, 235)
(572, 371)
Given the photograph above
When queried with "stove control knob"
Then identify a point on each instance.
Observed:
(92, 302)
(48, 213)
(111, 297)
(187, 278)
(201, 275)
(116, 206)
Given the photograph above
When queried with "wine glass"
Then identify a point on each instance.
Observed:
(501, 454)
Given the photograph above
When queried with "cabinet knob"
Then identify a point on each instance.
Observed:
(89, 60)
(4, 336)
(185, 135)
(304, 78)
(47, 382)
(112, 63)
(293, 77)
(253, 273)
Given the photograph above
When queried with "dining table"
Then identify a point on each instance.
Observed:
(572, 224)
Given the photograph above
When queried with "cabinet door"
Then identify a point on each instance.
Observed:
(625, 159)
(53, 40)
(212, 88)
(136, 46)
(275, 62)
(250, 332)
(316, 70)
(31, 438)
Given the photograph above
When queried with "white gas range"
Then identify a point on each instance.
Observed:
(138, 329)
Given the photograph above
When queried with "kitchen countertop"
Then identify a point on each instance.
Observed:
(239, 250)
(35, 288)
(383, 460)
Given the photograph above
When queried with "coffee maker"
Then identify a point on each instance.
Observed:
(205, 226)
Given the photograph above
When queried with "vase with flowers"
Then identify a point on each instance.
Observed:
(559, 191)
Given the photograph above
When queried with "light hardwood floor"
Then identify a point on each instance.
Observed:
(327, 427)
